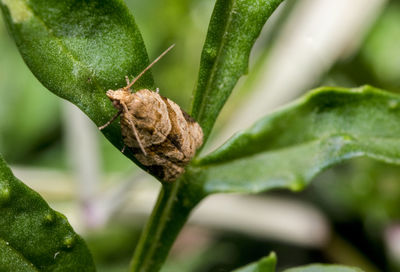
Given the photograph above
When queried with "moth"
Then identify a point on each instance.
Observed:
(160, 134)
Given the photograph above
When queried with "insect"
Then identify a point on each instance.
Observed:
(159, 133)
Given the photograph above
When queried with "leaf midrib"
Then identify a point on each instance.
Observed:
(217, 59)
(354, 139)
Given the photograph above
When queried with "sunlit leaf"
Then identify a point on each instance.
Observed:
(291, 146)
(234, 27)
(79, 50)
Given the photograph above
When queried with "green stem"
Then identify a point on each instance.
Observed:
(169, 215)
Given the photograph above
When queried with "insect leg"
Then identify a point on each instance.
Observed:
(127, 82)
(111, 120)
(134, 129)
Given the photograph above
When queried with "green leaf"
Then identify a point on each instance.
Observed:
(324, 268)
(79, 50)
(291, 146)
(266, 264)
(283, 150)
(233, 29)
(11, 260)
(33, 237)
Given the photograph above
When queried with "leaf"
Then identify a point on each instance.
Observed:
(291, 146)
(33, 237)
(324, 268)
(233, 29)
(79, 50)
(283, 150)
(11, 260)
(266, 264)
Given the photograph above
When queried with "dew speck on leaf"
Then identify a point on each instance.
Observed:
(49, 218)
(69, 241)
(5, 194)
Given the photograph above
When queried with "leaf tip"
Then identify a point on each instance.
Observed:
(297, 185)
(271, 258)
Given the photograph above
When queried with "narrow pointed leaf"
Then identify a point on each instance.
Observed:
(33, 237)
(233, 29)
(289, 147)
(79, 50)
(324, 268)
(266, 264)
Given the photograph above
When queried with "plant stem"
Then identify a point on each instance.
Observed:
(169, 215)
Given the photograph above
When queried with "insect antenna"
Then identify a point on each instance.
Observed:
(148, 67)
(130, 84)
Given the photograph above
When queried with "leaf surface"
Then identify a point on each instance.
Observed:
(285, 149)
(291, 146)
(79, 50)
(11, 260)
(33, 237)
(234, 27)
(266, 264)
(324, 268)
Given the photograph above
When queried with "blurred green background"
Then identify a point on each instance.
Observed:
(359, 200)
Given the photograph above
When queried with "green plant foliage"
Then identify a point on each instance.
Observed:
(34, 237)
(286, 149)
(266, 264)
(324, 268)
(11, 260)
(289, 147)
(234, 27)
(79, 50)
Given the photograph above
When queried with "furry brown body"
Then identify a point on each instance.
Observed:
(160, 134)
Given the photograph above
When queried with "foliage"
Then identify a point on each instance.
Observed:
(84, 55)
(267, 264)
(233, 29)
(33, 237)
(80, 49)
(324, 268)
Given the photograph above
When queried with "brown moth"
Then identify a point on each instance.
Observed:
(159, 133)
